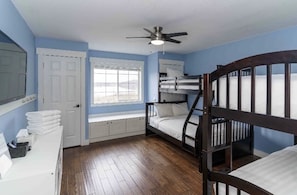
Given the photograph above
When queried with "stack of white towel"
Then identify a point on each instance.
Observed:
(41, 122)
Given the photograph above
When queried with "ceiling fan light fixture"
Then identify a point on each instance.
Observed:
(157, 42)
(159, 38)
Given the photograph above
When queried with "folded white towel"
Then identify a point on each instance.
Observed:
(45, 131)
(43, 119)
(42, 130)
(40, 126)
(42, 123)
(43, 113)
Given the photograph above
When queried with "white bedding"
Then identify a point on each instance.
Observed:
(173, 126)
(277, 96)
(276, 173)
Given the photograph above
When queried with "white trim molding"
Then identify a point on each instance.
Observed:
(42, 52)
(260, 153)
(60, 52)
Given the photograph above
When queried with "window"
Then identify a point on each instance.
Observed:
(116, 81)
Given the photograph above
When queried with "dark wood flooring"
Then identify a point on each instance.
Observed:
(135, 165)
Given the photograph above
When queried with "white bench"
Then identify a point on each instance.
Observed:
(116, 125)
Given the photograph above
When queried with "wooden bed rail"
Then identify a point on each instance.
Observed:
(237, 183)
(283, 59)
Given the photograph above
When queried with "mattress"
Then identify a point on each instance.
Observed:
(277, 94)
(276, 173)
(173, 126)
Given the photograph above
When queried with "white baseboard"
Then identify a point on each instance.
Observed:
(127, 134)
(260, 153)
(85, 142)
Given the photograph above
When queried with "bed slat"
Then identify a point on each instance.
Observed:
(253, 89)
(268, 91)
(287, 90)
(227, 91)
(239, 90)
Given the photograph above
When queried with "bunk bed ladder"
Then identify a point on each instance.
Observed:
(188, 121)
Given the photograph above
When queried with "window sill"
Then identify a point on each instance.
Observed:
(116, 104)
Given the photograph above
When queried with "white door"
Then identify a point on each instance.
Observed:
(61, 90)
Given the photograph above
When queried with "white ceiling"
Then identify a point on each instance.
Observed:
(105, 24)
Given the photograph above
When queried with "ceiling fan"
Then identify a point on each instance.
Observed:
(158, 38)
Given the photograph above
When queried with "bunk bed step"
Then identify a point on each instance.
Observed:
(222, 147)
(189, 150)
(192, 123)
(198, 109)
(192, 138)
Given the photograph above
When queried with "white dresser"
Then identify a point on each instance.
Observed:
(40, 171)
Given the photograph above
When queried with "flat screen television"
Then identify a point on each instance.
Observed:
(13, 68)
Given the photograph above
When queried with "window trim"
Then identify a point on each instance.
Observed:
(109, 62)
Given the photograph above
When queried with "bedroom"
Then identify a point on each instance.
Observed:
(197, 62)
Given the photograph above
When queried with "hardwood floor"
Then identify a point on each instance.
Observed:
(135, 165)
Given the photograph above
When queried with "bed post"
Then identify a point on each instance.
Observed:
(206, 135)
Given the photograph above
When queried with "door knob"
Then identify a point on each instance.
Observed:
(77, 106)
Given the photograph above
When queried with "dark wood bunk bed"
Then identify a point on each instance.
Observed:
(191, 142)
(277, 166)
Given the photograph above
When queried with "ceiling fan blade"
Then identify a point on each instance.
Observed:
(152, 33)
(175, 34)
(172, 40)
(138, 37)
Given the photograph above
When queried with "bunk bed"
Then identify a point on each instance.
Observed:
(265, 98)
(176, 123)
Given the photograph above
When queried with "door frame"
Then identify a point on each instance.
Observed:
(41, 53)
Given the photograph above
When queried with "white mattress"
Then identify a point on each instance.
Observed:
(277, 96)
(173, 126)
(276, 173)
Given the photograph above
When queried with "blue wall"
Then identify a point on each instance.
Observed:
(153, 77)
(205, 61)
(171, 56)
(12, 24)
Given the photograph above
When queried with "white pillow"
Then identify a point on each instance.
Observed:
(164, 110)
(174, 73)
(180, 109)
